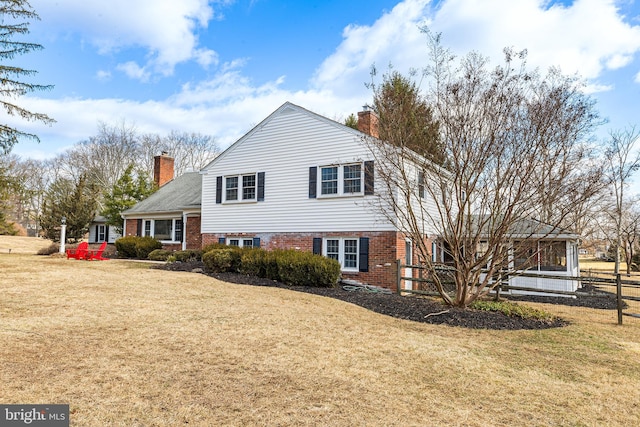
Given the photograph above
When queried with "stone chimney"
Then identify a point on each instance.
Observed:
(368, 122)
(162, 169)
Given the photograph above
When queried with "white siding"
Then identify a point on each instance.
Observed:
(113, 236)
(284, 147)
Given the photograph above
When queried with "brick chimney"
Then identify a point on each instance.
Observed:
(368, 122)
(162, 169)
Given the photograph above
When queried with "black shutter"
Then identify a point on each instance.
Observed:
(261, 186)
(421, 185)
(256, 242)
(317, 245)
(139, 228)
(218, 189)
(106, 233)
(221, 240)
(364, 255)
(368, 177)
(313, 181)
(97, 233)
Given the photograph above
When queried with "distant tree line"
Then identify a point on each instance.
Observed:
(99, 175)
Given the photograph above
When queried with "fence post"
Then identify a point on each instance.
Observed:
(619, 297)
(398, 276)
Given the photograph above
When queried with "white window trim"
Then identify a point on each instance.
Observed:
(340, 192)
(153, 228)
(341, 253)
(240, 188)
(240, 241)
(102, 227)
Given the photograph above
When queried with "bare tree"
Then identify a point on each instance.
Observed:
(622, 162)
(511, 140)
(191, 151)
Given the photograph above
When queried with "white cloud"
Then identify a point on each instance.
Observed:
(134, 71)
(588, 37)
(165, 28)
(103, 75)
(637, 79)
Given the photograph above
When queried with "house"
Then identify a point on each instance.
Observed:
(301, 181)
(171, 214)
(99, 231)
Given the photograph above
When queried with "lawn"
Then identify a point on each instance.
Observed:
(125, 345)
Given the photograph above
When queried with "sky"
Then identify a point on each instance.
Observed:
(220, 67)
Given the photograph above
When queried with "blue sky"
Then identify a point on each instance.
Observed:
(220, 67)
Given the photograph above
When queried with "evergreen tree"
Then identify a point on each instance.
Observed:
(77, 202)
(351, 121)
(126, 192)
(6, 184)
(14, 17)
(406, 118)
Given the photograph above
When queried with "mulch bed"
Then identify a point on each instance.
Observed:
(418, 309)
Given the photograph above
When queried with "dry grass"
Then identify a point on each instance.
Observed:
(22, 245)
(128, 346)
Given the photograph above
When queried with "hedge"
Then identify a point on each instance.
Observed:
(288, 266)
(136, 246)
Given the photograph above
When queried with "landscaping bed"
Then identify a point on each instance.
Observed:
(415, 308)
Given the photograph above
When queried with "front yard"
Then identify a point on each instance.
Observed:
(126, 345)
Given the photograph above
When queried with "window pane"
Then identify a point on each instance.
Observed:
(247, 243)
(333, 249)
(352, 179)
(329, 180)
(248, 187)
(101, 233)
(162, 229)
(350, 253)
(178, 230)
(525, 255)
(553, 256)
(234, 242)
(147, 228)
(232, 188)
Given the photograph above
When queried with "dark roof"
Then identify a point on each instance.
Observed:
(183, 192)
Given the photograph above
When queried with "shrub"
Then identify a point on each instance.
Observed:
(211, 246)
(307, 269)
(222, 260)
(512, 309)
(51, 249)
(188, 255)
(126, 246)
(145, 245)
(136, 246)
(159, 255)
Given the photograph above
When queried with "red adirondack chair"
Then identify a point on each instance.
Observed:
(81, 252)
(97, 255)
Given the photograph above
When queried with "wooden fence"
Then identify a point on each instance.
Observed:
(598, 280)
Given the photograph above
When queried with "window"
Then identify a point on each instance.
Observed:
(343, 250)
(248, 187)
(553, 256)
(231, 188)
(147, 228)
(242, 188)
(341, 180)
(329, 183)
(353, 178)
(101, 235)
(163, 229)
(244, 242)
(178, 230)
